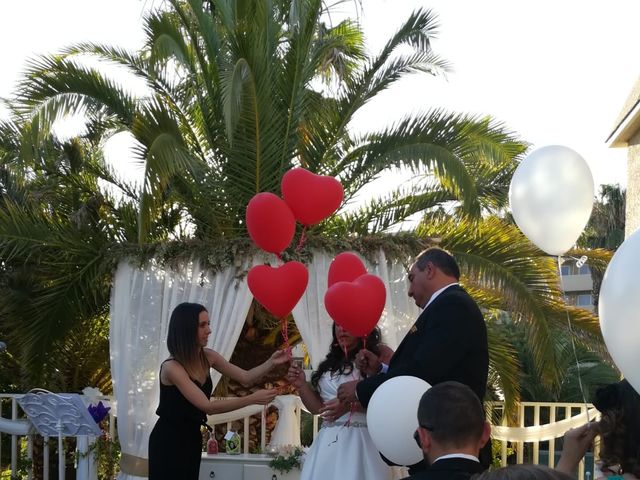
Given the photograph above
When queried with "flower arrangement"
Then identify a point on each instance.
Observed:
(287, 458)
(105, 448)
(99, 412)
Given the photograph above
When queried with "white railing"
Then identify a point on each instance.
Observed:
(540, 427)
(554, 417)
(245, 414)
(85, 464)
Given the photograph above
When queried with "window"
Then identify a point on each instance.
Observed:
(584, 300)
(584, 270)
(572, 269)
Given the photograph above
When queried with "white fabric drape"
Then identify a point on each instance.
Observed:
(312, 319)
(142, 300)
(540, 433)
(314, 323)
(400, 311)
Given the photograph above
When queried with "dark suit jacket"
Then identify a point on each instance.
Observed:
(447, 342)
(448, 469)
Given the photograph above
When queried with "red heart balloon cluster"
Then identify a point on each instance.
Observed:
(278, 289)
(345, 267)
(271, 223)
(308, 198)
(311, 197)
(355, 299)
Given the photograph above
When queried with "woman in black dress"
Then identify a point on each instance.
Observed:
(175, 444)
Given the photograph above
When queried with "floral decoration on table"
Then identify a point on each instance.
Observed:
(286, 457)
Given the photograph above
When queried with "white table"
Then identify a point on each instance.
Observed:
(241, 467)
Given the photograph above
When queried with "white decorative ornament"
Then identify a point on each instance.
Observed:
(551, 197)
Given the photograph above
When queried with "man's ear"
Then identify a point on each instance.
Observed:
(430, 270)
(486, 433)
(425, 439)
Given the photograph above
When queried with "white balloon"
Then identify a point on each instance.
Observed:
(551, 197)
(392, 418)
(619, 309)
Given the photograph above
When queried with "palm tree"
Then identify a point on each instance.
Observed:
(236, 99)
(239, 92)
(58, 220)
(605, 228)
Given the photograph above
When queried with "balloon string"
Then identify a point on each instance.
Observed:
(573, 343)
(284, 328)
(302, 239)
(351, 410)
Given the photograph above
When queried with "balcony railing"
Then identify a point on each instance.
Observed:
(536, 439)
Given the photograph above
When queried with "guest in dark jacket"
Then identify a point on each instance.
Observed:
(452, 430)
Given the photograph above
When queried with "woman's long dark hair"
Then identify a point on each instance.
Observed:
(335, 361)
(619, 404)
(182, 338)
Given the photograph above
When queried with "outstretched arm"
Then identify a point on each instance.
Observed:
(245, 377)
(172, 373)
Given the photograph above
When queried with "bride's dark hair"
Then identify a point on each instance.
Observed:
(335, 361)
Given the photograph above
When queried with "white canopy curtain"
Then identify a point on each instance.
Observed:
(142, 300)
(314, 323)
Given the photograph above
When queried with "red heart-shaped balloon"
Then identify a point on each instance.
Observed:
(270, 222)
(278, 289)
(345, 267)
(356, 306)
(311, 197)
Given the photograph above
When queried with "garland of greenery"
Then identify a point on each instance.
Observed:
(221, 253)
(286, 461)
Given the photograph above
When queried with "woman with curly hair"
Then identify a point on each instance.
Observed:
(619, 405)
(343, 447)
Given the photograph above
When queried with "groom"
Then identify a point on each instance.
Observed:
(447, 342)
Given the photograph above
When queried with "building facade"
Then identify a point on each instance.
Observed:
(577, 284)
(626, 134)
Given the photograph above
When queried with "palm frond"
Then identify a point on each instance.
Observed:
(55, 86)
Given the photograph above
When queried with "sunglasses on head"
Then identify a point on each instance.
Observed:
(416, 435)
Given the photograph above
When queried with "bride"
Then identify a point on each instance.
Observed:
(343, 447)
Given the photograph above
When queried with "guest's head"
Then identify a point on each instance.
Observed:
(619, 405)
(431, 270)
(188, 334)
(523, 472)
(343, 350)
(451, 419)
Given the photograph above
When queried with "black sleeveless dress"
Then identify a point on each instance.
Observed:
(175, 444)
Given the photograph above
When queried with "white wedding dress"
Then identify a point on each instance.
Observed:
(341, 451)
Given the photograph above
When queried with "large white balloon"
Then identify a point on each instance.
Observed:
(551, 197)
(392, 418)
(619, 309)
